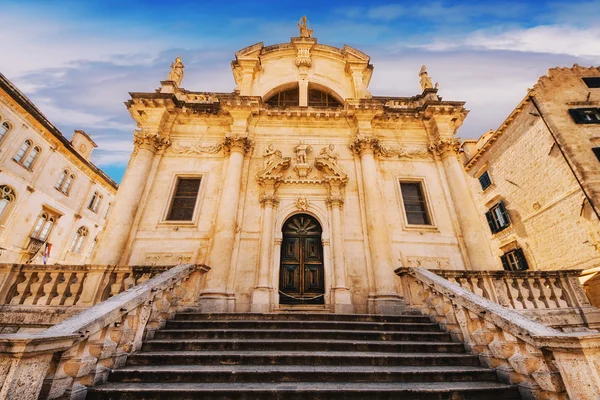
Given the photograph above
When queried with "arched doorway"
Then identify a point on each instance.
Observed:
(301, 277)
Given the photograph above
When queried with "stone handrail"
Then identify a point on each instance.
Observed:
(555, 298)
(546, 363)
(62, 361)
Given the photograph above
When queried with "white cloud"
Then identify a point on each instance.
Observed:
(579, 42)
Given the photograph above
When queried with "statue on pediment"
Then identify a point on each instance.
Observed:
(426, 82)
(271, 154)
(329, 154)
(176, 74)
(303, 25)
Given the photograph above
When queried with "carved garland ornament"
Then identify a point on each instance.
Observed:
(372, 145)
(196, 148)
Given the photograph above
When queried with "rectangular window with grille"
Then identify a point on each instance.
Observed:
(184, 199)
(415, 206)
(497, 218)
(514, 260)
(485, 180)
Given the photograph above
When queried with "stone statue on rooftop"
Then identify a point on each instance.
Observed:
(176, 74)
(425, 79)
(303, 25)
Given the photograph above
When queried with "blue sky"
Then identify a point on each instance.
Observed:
(77, 60)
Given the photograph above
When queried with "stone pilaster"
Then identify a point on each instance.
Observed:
(114, 238)
(475, 238)
(385, 299)
(341, 299)
(215, 296)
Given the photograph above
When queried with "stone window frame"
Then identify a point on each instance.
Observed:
(47, 214)
(493, 218)
(79, 239)
(24, 158)
(95, 201)
(489, 180)
(8, 193)
(432, 226)
(514, 260)
(65, 185)
(164, 222)
(5, 128)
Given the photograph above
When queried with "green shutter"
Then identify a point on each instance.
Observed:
(522, 260)
(505, 262)
(491, 223)
(504, 213)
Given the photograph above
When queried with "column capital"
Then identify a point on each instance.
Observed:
(269, 201)
(152, 141)
(236, 143)
(365, 145)
(334, 202)
(445, 147)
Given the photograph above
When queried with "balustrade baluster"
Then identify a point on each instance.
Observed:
(49, 289)
(35, 288)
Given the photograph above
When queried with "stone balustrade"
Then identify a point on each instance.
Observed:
(546, 363)
(66, 359)
(554, 298)
(38, 295)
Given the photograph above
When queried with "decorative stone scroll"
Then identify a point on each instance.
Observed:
(150, 140)
(167, 258)
(196, 148)
(401, 152)
(302, 203)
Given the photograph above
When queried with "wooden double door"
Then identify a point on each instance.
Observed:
(301, 272)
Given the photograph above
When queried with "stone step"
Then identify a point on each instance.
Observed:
(302, 325)
(307, 390)
(301, 334)
(300, 316)
(295, 373)
(262, 357)
(321, 345)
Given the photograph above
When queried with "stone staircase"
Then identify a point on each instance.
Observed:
(302, 356)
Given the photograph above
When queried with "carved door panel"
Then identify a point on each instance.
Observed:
(301, 273)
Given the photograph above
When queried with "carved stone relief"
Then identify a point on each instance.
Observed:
(167, 258)
(428, 262)
(180, 148)
(302, 204)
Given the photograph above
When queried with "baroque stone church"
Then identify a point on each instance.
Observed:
(300, 187)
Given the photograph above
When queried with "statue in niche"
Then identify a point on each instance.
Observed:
(271, 154)
(329, 154)
(176, 74)
(425, 79)
(303, 25)
(302, 150)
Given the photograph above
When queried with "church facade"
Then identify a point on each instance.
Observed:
(300, 187)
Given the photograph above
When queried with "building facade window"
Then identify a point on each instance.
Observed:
(415, 206)
(95, 202)
(497, 218)
(43, 226)
(184, 199)
(4, 128)
(592, 82)
(7, 199)
(78, 240)
(107, 210)
(65, 182)
(596, 151)
(485, 181)
(585, 115)
(27, 154)
(93, 246)
(514, 260)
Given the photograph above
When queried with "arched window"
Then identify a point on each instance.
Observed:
(43, 226)
(26, 155)
(93, 246)
(4, 128)
(65, 181)
(31, 157)
(7, 196)
(80, 236)
(22, 151)
(284, 99)
(95, 202)
(317, 98)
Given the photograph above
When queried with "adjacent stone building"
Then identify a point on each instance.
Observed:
(537, 177)
(53, 198)
(298, 188)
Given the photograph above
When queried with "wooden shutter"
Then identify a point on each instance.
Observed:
(490, 220)
(522, 260)
(505, 264)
